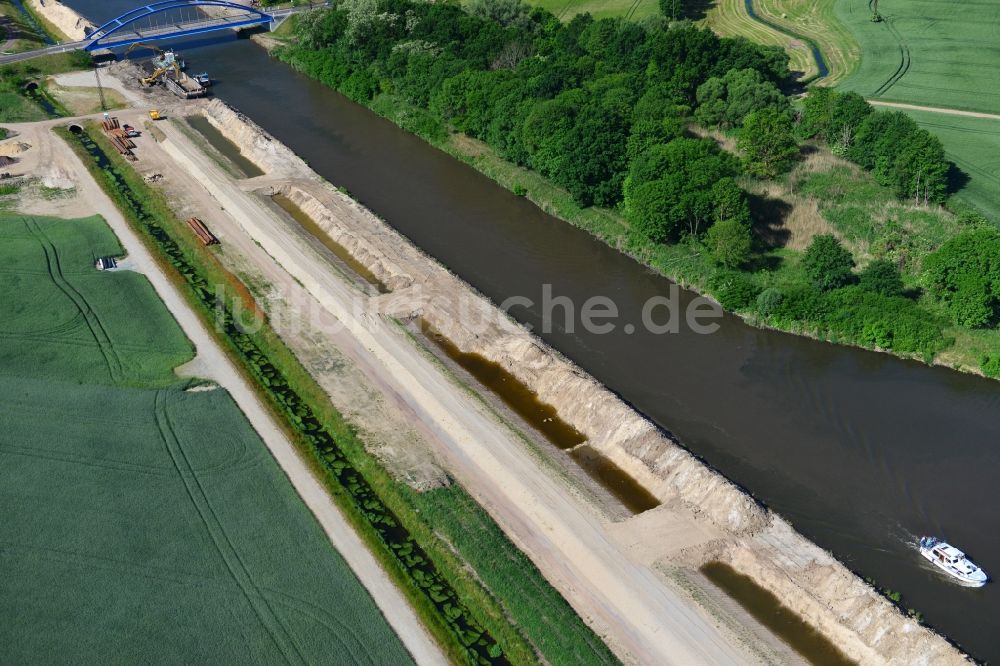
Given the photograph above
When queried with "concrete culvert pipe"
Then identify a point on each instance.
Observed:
(30, 85)
(75, 129)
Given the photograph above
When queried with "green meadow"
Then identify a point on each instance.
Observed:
(142, 521)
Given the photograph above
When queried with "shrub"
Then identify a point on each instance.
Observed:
(734, 291)
(882, 277)
(802, 303)
(887, 322)
(769, 300)
(965, 274)
(828, 263)
(730, 242)
(991, 365)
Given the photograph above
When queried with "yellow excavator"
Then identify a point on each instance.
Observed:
(165, 62)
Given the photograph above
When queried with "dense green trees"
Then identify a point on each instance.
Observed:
(767, 142)
(965, 274)
(603, 108)
(833, 117)
(725, 101)
(579, 139)
(578, 101)
(828, 263)
(682, 187)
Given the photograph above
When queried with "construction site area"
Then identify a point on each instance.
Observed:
(623, 527)
(635, 543)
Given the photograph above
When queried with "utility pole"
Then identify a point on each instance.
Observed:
(100, 88)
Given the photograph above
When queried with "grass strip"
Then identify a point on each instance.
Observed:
(455, 608)
(545, 616)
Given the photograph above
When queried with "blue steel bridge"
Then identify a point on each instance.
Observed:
(171, 19)
(168, 19)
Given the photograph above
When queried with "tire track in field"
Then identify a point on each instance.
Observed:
(118, 466)
(278, 633)
(340, 630)
(61, 329)
(111, 358)
(565, 9)
(88, 562)
(904, 57)
(631, 10)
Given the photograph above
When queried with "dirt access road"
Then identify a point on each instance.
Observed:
(644, 619)
(52, 160)
(935, 109)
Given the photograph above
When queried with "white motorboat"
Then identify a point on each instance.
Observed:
(952, 561)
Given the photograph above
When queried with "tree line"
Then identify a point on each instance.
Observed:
(600, 107)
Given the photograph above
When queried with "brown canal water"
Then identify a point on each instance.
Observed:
(333, 246)
(544, 418)
(522, 400)
(227, 148)
(769, 611)
(616, 480)
(862, 452)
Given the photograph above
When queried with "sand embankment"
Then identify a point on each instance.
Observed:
(756, 542)
(73, 26)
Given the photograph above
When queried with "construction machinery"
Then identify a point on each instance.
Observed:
(154, 115)
(164, 63)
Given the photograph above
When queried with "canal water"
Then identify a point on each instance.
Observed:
(862, 452)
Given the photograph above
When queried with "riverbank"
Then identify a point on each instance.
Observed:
(757, 542)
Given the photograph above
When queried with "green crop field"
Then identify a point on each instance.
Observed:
(143, 522)
(927, 52)
(64, 319)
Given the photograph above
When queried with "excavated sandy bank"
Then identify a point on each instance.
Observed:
(757, 542)
(67, 21)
